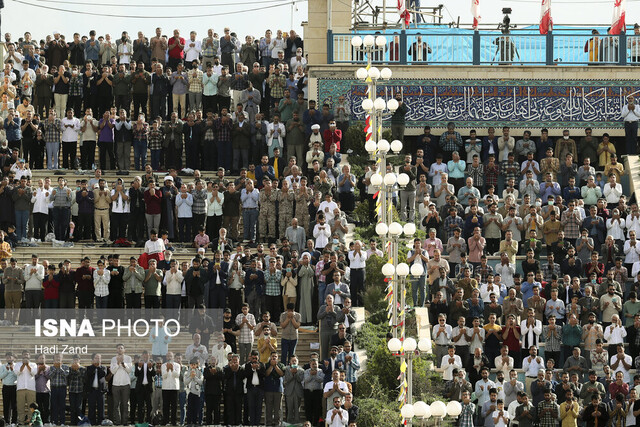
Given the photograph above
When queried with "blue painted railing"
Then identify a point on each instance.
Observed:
(450, 47)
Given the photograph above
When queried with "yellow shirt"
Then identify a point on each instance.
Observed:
(617, 169)
(569, 412)
(266, 353)
(605, 156)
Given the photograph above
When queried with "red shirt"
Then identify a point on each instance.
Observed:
(512, 342)
(51, 288)
(154, 203)
(332, 138)
(176, 51)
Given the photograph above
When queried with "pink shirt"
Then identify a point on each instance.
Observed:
(201, 240)
(476, 248)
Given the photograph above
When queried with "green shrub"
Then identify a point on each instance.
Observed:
(374, 412)
(354, 139)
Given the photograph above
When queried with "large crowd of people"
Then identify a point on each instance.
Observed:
(222, 106)
(277, 232)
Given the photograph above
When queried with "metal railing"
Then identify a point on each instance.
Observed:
(490, 48)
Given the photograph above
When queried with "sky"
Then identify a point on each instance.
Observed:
(44, 20)
(275, 14)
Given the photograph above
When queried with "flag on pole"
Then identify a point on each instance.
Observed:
(404, 13)
(618, 22)
(546, 22)
(475, 11)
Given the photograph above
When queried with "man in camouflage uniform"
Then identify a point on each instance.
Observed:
(285, 208)
(303, 196)
(268, 198)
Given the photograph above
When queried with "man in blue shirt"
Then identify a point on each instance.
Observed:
(249, 197)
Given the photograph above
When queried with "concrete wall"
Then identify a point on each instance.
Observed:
(624, 75)
(315, 30)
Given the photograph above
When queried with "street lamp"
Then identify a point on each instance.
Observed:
(408, 350)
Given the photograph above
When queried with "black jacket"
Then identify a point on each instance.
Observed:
(161, 85)
(90, 376)
(139, 373)
(248, 369)
(136, 201)
(213, 380)
(233, 383)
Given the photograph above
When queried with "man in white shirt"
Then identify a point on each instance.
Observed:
(612, 192)
(321, 232)
(197, 350)
(121, 369)
(327, 206)
(25, 384)
(357, 264)
(630, 114)
(33, 277)
(336, 416)
(530, 330)
(483, 386)
(334, 388)
(441, 335)
(192, 49)
(531, 365)
(154, 245)
(170, 386)
(621, 362)
(70, 129)
(450, 362)
(614, 334)
(220, 350)
(504, 362)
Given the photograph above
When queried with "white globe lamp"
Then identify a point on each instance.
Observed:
(369, 40)
(381, 41)
(396, 146)
(407, 411)
(403, 179)
(390, 178)
(438, 409)
(421, 409)
(417, 270)
(410, 345)
(392, 104)
(356, 41)
(409, 229)
(454, 408)
(395, 229)
(361, 73)
(424, 344)
(379, 104)
(376, 180)
(388, 269)
(386, 73)
(382, 229)
(402, 269)
(374, 73)
(367, 104)
(394, 345)
(383, 146)
(370, 146)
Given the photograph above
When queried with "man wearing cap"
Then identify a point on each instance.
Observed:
(102, 202)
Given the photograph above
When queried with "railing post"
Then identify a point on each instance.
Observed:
(622, 49)
(330, 47)
(403, 47)
(476, 47)
(549, 48)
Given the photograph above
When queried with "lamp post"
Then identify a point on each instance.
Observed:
(398, 272)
